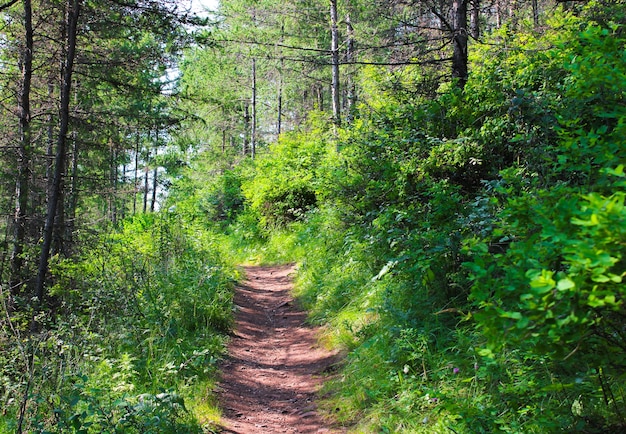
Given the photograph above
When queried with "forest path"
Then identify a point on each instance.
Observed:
(274, 369)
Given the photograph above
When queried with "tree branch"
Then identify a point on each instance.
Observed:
(8, 5)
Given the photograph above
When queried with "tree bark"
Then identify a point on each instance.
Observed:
(351, 87)
(246, 127)
(146, 184)
(334, 50)
(155, 173)
(254, 111)
(498, 7)
(23, 151)
(72, 201)
(279, 115)
(136, 169)
(71, 24)
(114, 184)
(475, 19)
(459, 55)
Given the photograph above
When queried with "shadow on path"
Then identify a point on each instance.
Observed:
(275, 367)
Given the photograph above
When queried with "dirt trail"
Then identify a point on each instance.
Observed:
(275, 367)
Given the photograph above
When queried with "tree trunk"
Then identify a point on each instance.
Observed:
(279, 115)
(459, 55)
(146, 185)
(72, 201)
(318, 92)
(154, 189)
(23, 153)
(124, 196)
(154, 173)
(59, 222)
(136, 180)
(254, 111)
(498, 7)
(246, 127)
(334, 50)
(535, 13)
(351, 87)
(513, 13)
(475, 19)
(114, 178)
(73, 14)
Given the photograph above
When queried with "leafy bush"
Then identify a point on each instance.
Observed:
(285, 183)
(467, 251)
(138, 319)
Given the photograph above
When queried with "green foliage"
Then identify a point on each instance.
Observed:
(140, 319)
(467, 249)
(287, 180)
(207, 191)
(104, 404)
(566, 286)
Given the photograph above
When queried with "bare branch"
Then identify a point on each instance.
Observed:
(8, 5)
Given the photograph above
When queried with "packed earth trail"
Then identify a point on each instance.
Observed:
(275, 366)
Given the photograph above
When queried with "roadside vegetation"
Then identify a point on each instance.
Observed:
(460, 238)
(464, 248)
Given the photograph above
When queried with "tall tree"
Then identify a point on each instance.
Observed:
(475, 19)
(24, 149)
(71, 31)
(459, 40)
(334, 52)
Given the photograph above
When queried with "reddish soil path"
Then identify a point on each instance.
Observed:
(275, 367)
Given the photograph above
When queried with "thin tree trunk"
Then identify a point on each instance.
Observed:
(475, 19)
(59, 222)
(136, 179)
(513, 13)
(535, 13)
(459, 55)
(155, 172)
(246, 127)
(50, 147)
(279, 124)
(73, 14)
(319, 95)
(351, 87)
(24, 152)
(146, 186)
(498, 14)
(254, 111)
(334, 49)
(72, 202)
(66, 212)
(124, 197)
(113, 180)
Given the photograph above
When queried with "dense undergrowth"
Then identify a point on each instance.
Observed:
(465, 248)
(132, 344)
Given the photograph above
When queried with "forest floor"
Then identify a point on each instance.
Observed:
(275, 365)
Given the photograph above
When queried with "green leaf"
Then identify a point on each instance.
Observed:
(512, 315)
(565, 284)
(541, 282)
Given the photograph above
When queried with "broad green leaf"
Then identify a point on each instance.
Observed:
(565, 284)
